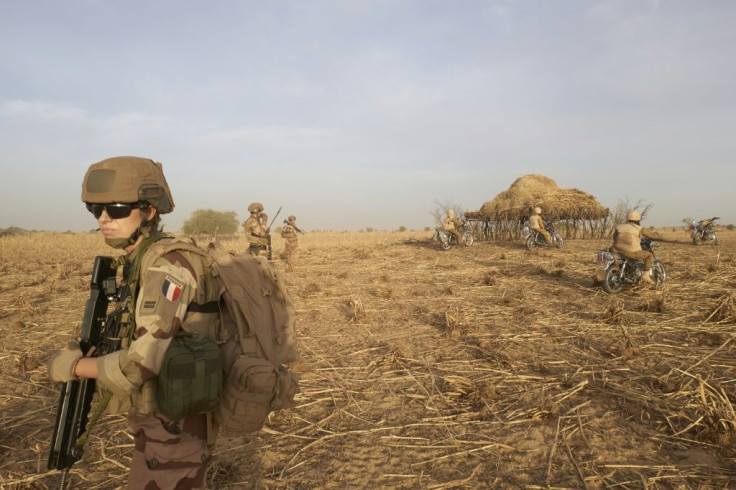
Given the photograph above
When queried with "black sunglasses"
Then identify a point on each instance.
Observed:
(116, 210)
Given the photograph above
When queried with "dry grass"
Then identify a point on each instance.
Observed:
(480, 367)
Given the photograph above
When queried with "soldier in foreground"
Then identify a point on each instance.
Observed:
(536, 223)
(627, 241)
(291, 241)
(255, 228)
(127, 196)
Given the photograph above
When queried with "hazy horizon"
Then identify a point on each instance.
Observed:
(356, 114)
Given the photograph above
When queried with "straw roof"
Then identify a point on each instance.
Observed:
(537, 190)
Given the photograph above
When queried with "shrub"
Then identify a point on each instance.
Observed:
(210, 222)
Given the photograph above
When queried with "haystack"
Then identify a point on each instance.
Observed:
(509, 209)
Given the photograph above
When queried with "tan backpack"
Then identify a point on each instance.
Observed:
(256, 334)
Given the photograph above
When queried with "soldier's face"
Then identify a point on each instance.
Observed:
(122, 227)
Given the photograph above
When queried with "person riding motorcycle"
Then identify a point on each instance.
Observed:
(450, 224)
(627, 242)
(536, 223)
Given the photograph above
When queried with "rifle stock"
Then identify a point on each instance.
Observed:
(76, 396)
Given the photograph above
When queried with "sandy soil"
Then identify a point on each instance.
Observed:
(482, 367)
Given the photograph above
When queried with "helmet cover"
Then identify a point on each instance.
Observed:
(127, 180)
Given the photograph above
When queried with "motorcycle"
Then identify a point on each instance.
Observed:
(704, 232)
(448, 239)
(535, 239)
(616, 272)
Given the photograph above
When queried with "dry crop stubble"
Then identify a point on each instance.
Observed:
(486, 366)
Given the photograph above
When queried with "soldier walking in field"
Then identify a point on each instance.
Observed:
(256, 230)
(291, 241)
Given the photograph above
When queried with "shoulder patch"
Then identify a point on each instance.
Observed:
(171, 289)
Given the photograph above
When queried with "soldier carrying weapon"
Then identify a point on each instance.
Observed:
(291, 242)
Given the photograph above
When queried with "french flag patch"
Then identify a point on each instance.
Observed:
(171, 289)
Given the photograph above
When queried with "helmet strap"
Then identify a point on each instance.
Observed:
(141, 230)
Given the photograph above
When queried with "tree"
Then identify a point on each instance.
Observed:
(211, 222)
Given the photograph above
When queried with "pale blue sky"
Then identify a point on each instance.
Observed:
(353, 114)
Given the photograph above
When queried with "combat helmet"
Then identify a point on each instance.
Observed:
(255, 207)
(291, 218)
(127, 180)
(633, 215)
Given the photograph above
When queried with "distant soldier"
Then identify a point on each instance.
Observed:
(291, 242)
(450, 224)
(627, 241)
(536, 223)
(255, 228)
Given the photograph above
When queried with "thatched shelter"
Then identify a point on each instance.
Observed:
(504, 216)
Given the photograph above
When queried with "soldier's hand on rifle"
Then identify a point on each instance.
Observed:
(61, 365)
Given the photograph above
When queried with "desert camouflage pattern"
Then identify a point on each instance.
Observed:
(255, 233)
(167, 454)
(291, 241)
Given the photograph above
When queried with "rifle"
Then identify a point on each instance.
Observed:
(268, 232)
(99, 335)
(286, 222)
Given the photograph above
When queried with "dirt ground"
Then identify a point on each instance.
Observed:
(481, 367)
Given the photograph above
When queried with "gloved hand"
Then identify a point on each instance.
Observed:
(61, 365)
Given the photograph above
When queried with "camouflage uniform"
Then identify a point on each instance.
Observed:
(165, 287)
(291, 241)
(255, 229)
(169, 454)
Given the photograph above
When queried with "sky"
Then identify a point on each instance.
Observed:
(368, 113)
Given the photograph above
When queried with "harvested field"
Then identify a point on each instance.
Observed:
(481, 367)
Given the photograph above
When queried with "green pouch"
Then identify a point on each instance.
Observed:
(190, 380)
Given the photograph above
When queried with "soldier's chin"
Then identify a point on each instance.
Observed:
(116, 242)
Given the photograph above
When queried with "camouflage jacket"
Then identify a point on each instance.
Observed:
(255, 231)
(288, 232)
(171, 285)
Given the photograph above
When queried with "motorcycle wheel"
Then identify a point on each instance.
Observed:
(659, 275)
(531, 242)
(468, 239)
(557, 240)
(612, 282)
(445, 245)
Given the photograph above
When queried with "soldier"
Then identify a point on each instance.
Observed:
(127, 196)
(255, 228)
(450, 224)
(536, 223)
(291, 242)
(627, 241)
